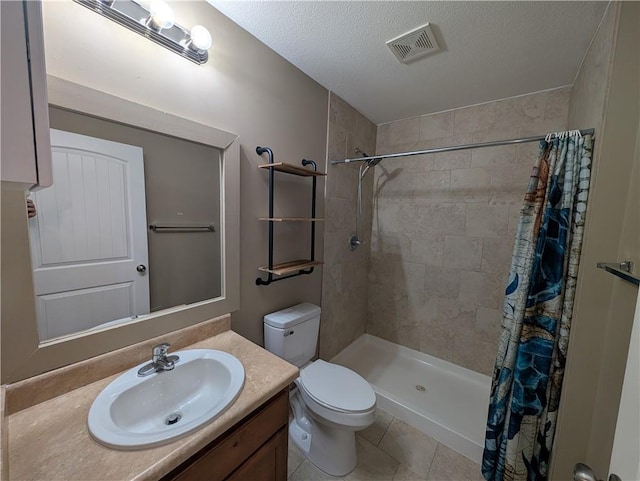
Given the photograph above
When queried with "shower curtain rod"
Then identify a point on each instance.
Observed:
(435, 150)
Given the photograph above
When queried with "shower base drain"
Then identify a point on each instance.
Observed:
(172, 419)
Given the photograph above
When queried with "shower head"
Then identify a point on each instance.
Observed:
(371, 162)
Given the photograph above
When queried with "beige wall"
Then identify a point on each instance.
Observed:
(606, 96)
(245, 88)
(344, 284)
(444, 225)
(180, 176)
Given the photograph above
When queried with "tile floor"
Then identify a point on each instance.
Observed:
(391, 450)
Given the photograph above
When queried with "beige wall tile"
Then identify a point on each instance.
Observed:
(430, 184)
(460, 159)
(514, 218)
(392, 246)
(520, 110)
(342, 183)
(487, 324)
(339, 215)
(503, 132)
(438, 342)
(345, 274)
(337, 145)
(462, 232)
(427, 249)
(480, 288)
(473, 119)
(442, 282)
(473, 353)
(453, 315)
(436, 125)
(383, 138)
(494, 157)
(496, 255)
(439, 218)
(471, 180)
(414, 163)
(405, 131)
(462, 252)
(486, 220)
(342, 114)
(557, 104)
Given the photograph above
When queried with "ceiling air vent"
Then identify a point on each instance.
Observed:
(414, 44)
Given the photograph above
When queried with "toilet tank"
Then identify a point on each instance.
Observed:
(292, 333)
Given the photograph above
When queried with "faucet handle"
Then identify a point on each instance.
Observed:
(160, 350)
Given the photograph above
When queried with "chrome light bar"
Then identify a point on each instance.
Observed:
(143, 21)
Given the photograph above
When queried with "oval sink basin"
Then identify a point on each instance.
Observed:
(135, 412)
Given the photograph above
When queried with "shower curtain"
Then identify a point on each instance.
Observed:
(530, 363)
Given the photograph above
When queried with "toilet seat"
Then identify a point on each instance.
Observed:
(337, 388)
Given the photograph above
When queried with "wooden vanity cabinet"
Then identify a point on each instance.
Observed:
(255, 449)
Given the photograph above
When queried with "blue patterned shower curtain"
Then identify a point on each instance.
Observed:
(527, 376)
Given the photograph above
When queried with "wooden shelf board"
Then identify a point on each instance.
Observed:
(292, 169)
(289, 267)
(292, 219)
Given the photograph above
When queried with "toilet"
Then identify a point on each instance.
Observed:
(329, 402)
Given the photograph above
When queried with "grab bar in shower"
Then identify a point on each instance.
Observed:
(621, 270)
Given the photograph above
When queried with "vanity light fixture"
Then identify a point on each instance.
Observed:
(156, 23)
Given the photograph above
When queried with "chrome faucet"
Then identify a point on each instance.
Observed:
(159, 360)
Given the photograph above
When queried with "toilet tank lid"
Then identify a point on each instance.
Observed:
(292, 316)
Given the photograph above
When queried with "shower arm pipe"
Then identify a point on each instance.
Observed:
(436, 150)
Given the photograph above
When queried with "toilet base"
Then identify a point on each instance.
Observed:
(330, 449)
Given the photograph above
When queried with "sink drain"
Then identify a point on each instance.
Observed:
(172, 418)
(421, 388)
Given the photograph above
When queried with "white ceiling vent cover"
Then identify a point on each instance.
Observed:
(414, 44)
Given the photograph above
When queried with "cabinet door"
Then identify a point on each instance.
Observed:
(259, 436)
(26, 147)
(269, 463)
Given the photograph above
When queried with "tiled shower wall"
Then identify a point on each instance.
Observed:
(444, 225)
(344, 279)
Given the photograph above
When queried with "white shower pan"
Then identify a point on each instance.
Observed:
(439, 398)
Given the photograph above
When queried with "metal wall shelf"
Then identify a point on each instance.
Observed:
(299, 267)
(621, 270)
(290, 168)
(288, 267)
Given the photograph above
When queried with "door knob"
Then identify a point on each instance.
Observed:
(582, 472)
(141, 268)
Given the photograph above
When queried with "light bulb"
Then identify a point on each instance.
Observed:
(161, 14)
(200, 37)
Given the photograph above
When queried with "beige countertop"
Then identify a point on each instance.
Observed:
(50, 441)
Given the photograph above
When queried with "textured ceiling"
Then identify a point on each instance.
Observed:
(490, 50)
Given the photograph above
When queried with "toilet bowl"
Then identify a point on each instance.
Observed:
(329, 402)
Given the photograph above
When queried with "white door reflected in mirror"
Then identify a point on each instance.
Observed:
(88, 236)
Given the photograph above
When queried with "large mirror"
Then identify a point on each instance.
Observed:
(130, 226)
(181, 202)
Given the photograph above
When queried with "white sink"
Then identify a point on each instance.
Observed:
(141, 412)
